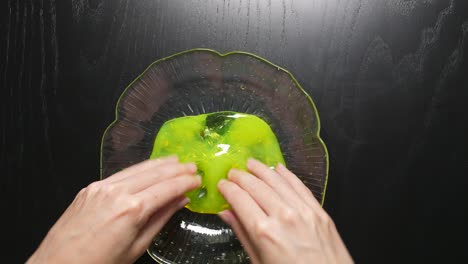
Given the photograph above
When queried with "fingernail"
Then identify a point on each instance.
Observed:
(184, 202)
(223, 216)
(280, 166)
(252, 161)
(231, 172)
(191, 167)
(199, 179)
(221, 182)
(226, 216)
(172, 157)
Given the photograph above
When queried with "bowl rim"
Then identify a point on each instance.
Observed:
(234, 52)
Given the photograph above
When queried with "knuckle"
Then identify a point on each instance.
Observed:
(328, 222)
(82, 195)
(324, 219)
(108, 189)
(262, 228)
(134, 207)
(93, 188)
(82, 192)
(290, 216)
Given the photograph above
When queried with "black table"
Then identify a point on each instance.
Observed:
(389, 78)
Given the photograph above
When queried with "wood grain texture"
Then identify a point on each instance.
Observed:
(389, 78)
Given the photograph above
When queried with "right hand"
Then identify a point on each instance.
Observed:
(277, 218)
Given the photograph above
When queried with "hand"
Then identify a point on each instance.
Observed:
(115, 219)
(277, 219)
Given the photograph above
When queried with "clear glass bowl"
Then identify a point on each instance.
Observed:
(202, 81)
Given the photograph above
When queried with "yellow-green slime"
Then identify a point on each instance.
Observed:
(216, 142)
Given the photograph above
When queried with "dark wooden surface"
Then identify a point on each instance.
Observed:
(389, 77)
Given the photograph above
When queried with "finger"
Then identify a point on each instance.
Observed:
(159, 195)
(242, 204)
(154, 175)
(140, 167)
(276, 182)
(156, 223)
(263, 194)
(231, 219)
(298, 186)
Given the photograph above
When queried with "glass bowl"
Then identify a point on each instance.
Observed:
(202, 81)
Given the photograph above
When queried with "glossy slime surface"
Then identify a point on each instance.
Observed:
(216, 142)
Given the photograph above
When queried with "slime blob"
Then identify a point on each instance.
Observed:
(216, 142)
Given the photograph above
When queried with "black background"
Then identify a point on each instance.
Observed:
(389, 78)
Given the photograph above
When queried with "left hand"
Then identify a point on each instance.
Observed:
(115, 219)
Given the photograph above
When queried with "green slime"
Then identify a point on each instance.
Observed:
(216, 142)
